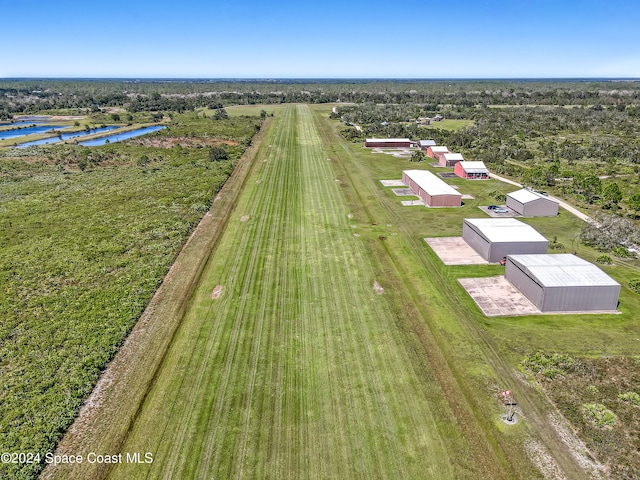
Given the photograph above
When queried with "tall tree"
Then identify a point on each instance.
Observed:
(634, 203)
(417, 156)
(220, 114)
(611, 194)
(588, 186)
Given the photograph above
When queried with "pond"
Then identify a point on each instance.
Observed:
(19, 132)
(67, 136)
(118, 137)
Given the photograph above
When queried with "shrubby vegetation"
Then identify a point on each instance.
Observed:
(634, 284)
(632, 397)
(548, 366)
(604, 259)
(599, 415)
(417, 156)
(598, 397)
(87, 235)
(610, 233)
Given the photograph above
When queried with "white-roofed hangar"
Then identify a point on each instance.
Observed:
(562, 283)
(531, 204)
(471, 170)
(450, 159)
(430, 189)
(495, 238)
(387, 143)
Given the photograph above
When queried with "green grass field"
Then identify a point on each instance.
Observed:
(502, 343)
(299, 369)
(451, 124)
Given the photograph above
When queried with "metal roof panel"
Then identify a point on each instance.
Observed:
(562, 270)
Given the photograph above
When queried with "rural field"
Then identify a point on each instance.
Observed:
(296, 359)
(325, 339)
(298, 369)
(87, 236)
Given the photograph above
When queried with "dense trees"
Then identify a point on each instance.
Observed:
(544, 133)
(24, 96)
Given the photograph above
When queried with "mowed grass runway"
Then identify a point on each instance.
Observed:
(299, 370)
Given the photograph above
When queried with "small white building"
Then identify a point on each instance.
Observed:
(450, 159)
(424, 144)
(532, 204)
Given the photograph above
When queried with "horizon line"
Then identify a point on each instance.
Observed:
(273, 79)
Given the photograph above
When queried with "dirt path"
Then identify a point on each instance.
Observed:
(571, 209)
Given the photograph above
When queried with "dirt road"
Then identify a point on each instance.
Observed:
(571, 209)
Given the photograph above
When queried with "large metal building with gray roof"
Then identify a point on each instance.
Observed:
(562, 283)
(531, 204)
(495, 238)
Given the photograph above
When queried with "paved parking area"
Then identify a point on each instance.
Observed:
(496, 297)
(492, 213)
(403, 192)
(392, 183)
(455, 251)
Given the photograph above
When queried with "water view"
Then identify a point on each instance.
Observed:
(67, 136)
(19, 132)
(118, 137)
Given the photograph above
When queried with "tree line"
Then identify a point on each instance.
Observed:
(20, 96)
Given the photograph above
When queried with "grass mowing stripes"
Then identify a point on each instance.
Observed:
(468, 363)
(299, 369)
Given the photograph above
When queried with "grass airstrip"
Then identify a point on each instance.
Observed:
(326, 340)
(298, 369)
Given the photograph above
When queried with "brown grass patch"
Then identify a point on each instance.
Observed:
(187, 142)
(217, 291)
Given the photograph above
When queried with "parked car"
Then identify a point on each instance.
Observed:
(492, 207)
(501, 210)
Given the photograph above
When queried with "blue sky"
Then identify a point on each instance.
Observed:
(321, 39)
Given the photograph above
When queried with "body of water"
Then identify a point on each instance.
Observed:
(29, 131)
(118, 137)
(67, 136)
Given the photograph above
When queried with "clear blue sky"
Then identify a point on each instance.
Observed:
(320, 39)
